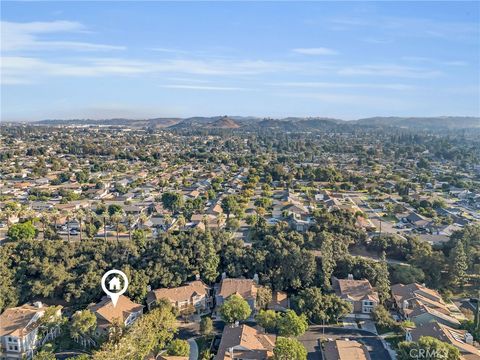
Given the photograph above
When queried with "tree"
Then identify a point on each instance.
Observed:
(458, 265)
(206, 326)
(178, 348)
(264, 297)
(83, 323)
(320, 308)
(172, 201)
(383, 319)
(291, 324)
(206, 355)
(382, 282)
(45, 354)
(289, 349)
(328, 260)
(211, 260)
(235, 309)
(150, 333)
(432, 349)
(229, 205)
(21, 231)
(268, 320)
(114, 209)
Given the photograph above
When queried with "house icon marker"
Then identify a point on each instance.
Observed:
(114, 284)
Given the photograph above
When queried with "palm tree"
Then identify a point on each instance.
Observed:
(55, 215)
(80, 216)
(167, 219)
(220, 220)
(44, 219)
(181, 221)
(205, 220)
(105, 227)
(67, 215)
(129, 223)
(142, 219)
(116, 218)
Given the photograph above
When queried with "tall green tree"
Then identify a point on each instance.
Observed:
(268, 319)
(291, 324)
(328, 260)
(151, 333)
(211, 260)
(178, 347)
(428, 348)
(21, 231)
(83, 323)
(229, 205)
(289, 349)
(172, 201)
(320, 308)
(382, 281)
(206, 326)
(458, 265)
(234, 309)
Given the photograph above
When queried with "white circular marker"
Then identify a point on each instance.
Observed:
(114, 289)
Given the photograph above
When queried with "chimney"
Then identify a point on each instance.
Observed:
(38, 304)
(255, 278)
(224, 275)
(468, 338)
(197, 277)
(350, 277)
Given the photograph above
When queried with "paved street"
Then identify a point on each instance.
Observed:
(193, 349)
(311, 340)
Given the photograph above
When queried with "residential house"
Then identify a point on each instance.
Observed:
(246, 288)
(461, 339)
(422, 305)
(126, 312)
(279, 302)
(195, 294)
(245, 342)
(19, 330)
(359, 293)
(345, 350)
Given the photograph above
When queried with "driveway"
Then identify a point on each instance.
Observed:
(368, 325)
(311, 340)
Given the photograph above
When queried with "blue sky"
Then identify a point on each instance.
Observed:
(158, 59)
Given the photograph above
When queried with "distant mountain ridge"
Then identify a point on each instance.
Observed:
(449, 122)
(285, 124)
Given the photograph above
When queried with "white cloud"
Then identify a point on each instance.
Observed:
(27, 37)
(336, 85)
(17, 69)
(205, 87)
(315, 51)
(422, 59)
(389, 70)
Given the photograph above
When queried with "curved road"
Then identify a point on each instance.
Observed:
(311, 340)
